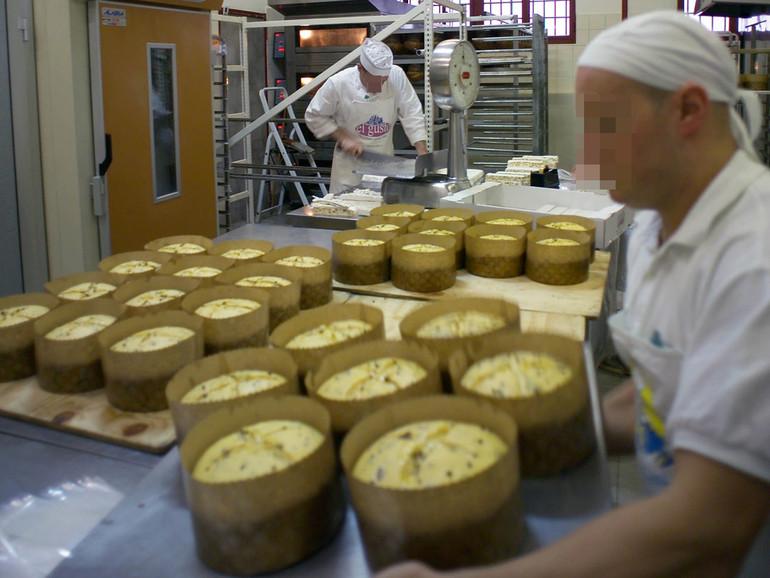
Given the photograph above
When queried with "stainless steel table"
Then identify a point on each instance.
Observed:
(150, 532)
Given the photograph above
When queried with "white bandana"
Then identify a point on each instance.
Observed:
(668, 49)
(376, 57)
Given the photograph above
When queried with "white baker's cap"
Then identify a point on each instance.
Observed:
(376, 57)
(690, 53)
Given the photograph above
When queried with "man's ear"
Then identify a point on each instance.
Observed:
(692, 108)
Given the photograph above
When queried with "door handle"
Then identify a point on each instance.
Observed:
(105, 164)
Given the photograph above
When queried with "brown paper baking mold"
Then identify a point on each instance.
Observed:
(557, 265)
(309, 359)
(402, 222)
(131, 289)
(137, 381)
(182, 262)
(555, 430)
(360, 265)
(57, 286)
(71, 365)
(316, 287)
(495, 258)
(589, 224)
(158, 244)
(284, 301)
(456, 227)
(486, 216)
(467, 215)
(384, 210)
(225, 246)
(473, 522)
(17, 342)
(247, 330)
(412, 323)
(345, 414)
(186, 415)
(273, 521)
(423, 272)
(113, 261)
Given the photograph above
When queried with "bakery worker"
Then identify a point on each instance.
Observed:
(657, 95)
(359, 106)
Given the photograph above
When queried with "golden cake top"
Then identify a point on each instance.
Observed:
(400, 214)
(21, 314)
(154, 297)
(198, 272)
(244, 253)
(443, 232)
(329, 334)
(81, 327)
(364, 242)
(422, 248)
(85, 291)
(263, 281)
(460, 324)
(427, 454)
(382, 227)
(558, 242)
(372, 378)
(506, 221)
(226, 308)
(566, 226)
(182, 248)
(497, 237)
(300, 261)
(152, 339)
(135, 266)
(233, 385)
(447, 218)
(257, 450)
(516, 374)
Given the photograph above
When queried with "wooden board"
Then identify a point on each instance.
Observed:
(394, 310)
(91, 415)
(88, 414)
(584, 299)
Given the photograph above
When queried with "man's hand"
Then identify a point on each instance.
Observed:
(351, 145)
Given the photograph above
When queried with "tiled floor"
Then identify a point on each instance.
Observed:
(626, 480)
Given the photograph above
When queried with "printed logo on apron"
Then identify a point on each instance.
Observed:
(654, 367)
(374, 127)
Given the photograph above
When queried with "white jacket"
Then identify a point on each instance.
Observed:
(343, 102)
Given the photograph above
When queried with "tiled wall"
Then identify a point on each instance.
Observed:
(562, 59)
(593, 17)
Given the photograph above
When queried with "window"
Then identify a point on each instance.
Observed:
(721, 23)
(559, 15)
(161, 64)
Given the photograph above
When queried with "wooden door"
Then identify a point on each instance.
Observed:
(157, 110)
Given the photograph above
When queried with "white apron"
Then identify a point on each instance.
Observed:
(371, 121)
(663, 365)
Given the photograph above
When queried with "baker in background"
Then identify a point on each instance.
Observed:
(359, 106)
(657, 94)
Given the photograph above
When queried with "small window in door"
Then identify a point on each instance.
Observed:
(161, 64)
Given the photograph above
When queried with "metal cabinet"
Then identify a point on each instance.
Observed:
(510, 115)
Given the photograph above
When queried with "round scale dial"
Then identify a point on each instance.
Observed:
(454, 74)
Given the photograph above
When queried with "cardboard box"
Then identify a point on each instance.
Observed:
(611, 218)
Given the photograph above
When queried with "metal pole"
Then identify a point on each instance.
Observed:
(339, 65)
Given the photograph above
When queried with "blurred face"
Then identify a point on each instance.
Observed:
(627, 144)
(371, 82)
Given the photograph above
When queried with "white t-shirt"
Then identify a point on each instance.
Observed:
(328, 111)
(696, 331)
